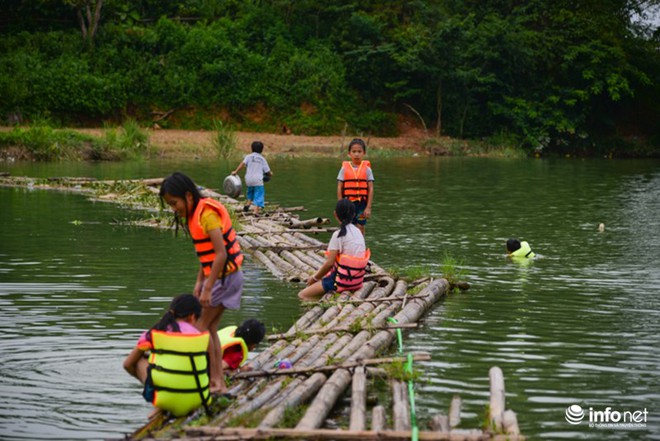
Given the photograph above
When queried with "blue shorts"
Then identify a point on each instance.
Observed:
(328, 283)
(256, 195)
(360, 206)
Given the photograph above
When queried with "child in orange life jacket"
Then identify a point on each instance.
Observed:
(355, 182)
(238, 342)
(183, 312)
(347, 256)
(219, 284)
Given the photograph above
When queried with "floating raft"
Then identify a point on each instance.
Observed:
(336, 349)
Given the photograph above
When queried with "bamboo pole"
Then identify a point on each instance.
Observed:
(496, 409)
(510, 423)
(306, 238)
(378, 419)
(239, 433)
(299, 395)
(440, 423)
(359, 400)
(342, 329)
(455, 412)
(269, 264)
(400, 406)
(421, 356)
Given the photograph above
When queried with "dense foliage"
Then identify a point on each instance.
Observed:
(542, 74)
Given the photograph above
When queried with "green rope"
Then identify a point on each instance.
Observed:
(411, 390)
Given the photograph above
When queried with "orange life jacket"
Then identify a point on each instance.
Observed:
(202, 241)
(350, 271)
(355, 186)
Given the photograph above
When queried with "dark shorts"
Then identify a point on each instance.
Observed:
(360, 206)
(149, 390)
(328, 283)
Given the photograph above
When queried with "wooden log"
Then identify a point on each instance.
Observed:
(439, 423)
(274, 269)
(309, 223)
(300, 394)
(308, 239)
(334, 349)
(310, 261)
(284, 266)
(358, 419)
(400, 406)
(510, 423)
(341, 329)
(455, 412)
(378, 419)
(496, 410)
(296, 262)
(240, 433)
(324, 401)
(421, 356)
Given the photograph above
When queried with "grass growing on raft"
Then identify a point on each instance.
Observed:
(248, 420)
(450, 268)
(292, 415)
(410, 273)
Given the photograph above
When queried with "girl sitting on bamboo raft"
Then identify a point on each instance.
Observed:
(346, 258)
(175, 375)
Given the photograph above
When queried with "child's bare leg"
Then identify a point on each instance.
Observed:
(209, 322)
(312, 292)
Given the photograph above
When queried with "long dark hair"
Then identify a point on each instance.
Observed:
(345, 211)
(177, 184)
(181, 306)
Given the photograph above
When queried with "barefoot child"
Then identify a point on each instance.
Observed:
(347, 256)
(174, 344)
(219, 282)
(355, 182)
(256, 173)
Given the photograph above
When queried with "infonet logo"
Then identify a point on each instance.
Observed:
(574, 414)
(607, 418)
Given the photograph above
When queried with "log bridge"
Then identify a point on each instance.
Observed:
(335, 349)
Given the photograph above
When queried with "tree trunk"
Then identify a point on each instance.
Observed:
(88, 20)
(438, 109)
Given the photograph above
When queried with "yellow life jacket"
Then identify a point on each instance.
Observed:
(202, 241)
(179, 371)
(350, 271)
(524, 251)
(228, 340)
(355, 186)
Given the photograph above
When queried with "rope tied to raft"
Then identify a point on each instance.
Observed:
(408, 369)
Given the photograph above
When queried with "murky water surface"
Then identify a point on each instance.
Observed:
(579, 325)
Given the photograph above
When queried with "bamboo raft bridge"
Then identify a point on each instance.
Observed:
(336, 349)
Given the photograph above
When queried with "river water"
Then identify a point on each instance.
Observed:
(578, 325)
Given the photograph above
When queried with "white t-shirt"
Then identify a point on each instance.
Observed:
(352, 243)
(256, 165)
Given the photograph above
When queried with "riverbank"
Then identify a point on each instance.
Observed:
(181, 143)
(44, 143)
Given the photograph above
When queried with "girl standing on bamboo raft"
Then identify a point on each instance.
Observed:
(219, 284)
(346, 258)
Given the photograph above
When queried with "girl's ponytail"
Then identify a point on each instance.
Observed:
(181, 306)
(345, 211)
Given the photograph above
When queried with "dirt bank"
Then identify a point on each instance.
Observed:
(178, 143)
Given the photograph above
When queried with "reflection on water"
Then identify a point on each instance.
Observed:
(579, 325)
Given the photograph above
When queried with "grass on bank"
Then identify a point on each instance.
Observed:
(42, 142)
